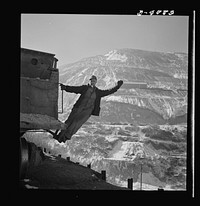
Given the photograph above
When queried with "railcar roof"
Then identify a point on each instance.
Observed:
(36, 51)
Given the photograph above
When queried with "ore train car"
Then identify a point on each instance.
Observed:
(39, 81)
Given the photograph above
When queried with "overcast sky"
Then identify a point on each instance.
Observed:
(74, 36)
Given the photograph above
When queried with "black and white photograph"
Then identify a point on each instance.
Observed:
(104, 101)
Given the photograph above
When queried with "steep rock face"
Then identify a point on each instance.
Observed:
(155, 84)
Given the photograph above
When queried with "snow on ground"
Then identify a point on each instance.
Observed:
(121, 154)
(111, 138)
(49, 155)
(172, 127)
(137, 186)
(126, 150)
(81, 132)
(112, 55)
(114, 98)
(43, 139)
(30, 186)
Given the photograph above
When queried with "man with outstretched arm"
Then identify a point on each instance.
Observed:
(88, 104)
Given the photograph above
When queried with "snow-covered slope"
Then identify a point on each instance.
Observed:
(154, 83)
(121, 149)
(145, 119)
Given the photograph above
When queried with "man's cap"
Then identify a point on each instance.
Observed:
(93, 77)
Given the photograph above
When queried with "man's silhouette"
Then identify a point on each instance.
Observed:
(88, 104)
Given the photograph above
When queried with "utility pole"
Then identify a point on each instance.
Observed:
(141, 176)
(142, 159)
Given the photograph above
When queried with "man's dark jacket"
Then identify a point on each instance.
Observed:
(99, 94)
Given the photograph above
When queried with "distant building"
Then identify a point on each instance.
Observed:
(133, 85)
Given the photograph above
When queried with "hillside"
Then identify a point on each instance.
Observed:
(53, 172)
(155, 85)
(142, 128)
(121, 149)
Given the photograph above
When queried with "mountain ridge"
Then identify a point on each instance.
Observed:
(120, 50)
(143, 123)
(156, 81)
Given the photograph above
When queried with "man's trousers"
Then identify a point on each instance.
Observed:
(76, 119)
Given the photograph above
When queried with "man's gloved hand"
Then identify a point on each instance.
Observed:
(119, 83)
(62, 86)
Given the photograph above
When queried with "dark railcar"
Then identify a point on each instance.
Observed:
(39, 80)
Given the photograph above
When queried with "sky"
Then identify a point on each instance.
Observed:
(75, 36)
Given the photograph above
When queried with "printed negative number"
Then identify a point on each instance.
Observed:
(152, 12)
